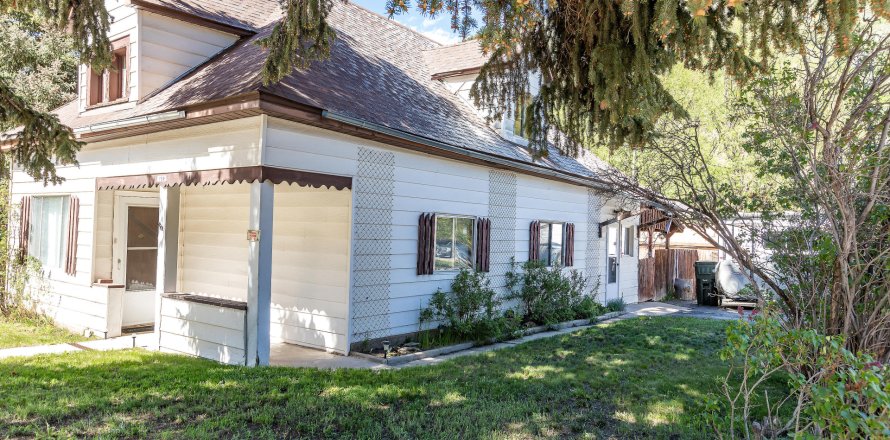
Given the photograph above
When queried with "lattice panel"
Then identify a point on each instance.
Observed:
(502, 212)
(373, 189)
(595, 245)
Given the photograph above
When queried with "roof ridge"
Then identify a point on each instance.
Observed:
(459, 43)
(392, 20)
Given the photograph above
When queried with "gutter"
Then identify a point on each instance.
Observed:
(131, 122)
(487, 157)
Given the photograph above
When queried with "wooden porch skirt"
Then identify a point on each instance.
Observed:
(225, 175)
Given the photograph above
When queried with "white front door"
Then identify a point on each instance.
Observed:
(135, 255)
(612, 261)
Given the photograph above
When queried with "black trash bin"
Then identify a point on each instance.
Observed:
(705, 283)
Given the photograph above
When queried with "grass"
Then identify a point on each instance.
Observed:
(637, 378)
(23, 332)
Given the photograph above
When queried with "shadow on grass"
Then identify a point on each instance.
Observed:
(636, 378)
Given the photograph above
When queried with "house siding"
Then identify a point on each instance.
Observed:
(168, 48)
(392, 187)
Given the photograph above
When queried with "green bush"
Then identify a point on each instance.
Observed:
(548, 295)
(831, 392)
(615, 305)
(469, 310)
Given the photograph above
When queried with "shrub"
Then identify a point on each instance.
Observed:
(829, 391)
(588, 308)
(468, 311)
(548, 295)
(615, 305)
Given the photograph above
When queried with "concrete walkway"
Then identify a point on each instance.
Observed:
(141, 340)
(296, 356)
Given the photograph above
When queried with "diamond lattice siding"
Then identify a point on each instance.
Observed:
(595, 244)
(502, 211)
(373, 189)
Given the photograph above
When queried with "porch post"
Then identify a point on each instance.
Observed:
(168, 246)
(259, 272)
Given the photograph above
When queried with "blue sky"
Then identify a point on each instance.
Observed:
(438, 29)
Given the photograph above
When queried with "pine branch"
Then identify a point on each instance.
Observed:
(41, 141)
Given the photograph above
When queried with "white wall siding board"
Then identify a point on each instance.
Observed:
(202, 330)
(168, 48)
(389, 200)
(310, 267)
(212, 240)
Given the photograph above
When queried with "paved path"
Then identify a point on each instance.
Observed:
(142, 340)
(295, 356)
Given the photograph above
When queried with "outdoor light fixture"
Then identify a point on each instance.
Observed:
(385, 349)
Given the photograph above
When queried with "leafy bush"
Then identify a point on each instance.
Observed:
(468, 311)
(831, 392)
(615, 305)
(588, 308)
(548, 295)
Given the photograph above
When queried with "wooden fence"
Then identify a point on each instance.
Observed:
(657, 274)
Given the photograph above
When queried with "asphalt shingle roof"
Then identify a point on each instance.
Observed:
(377, 72)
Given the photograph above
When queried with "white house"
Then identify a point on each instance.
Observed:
(321, 211)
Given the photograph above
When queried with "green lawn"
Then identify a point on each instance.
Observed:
(636, 378)
(22, 332)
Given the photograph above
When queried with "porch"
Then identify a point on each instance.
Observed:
(243, 259)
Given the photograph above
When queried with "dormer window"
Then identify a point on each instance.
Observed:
(520, 116)
(109, 86)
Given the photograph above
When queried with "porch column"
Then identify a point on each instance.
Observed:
(259, 272)
(168, 246)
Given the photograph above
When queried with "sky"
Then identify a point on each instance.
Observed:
(438, 29)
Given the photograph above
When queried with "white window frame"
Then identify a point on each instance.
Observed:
(550, 241)
(35, 241)
(628, 241)
(454, 248)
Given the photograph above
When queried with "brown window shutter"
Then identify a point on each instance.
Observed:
(426, 243)
(534, 241)
(483, 244)
(71, 249)
(569, 257)
(24, 226)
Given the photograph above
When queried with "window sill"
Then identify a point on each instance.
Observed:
(107, 104)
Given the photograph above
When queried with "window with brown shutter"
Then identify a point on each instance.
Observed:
(110, 86)
(426, 244)
(483, 244)
(569, 258)
(534, 241)
(24, 227)
(71, 249)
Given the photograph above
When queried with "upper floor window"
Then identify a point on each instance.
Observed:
(520, 116)
(552, 240)
(454, 242)
(110, 85)
(48, 227)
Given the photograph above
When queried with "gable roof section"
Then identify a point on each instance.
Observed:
(457, 59)
(247, 15)
(376, 73)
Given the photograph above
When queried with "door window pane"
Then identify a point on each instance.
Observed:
(142, 248)
(142, 227)
(613, 270)
(142, 269)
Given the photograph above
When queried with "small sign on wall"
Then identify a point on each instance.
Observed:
(253, 235)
